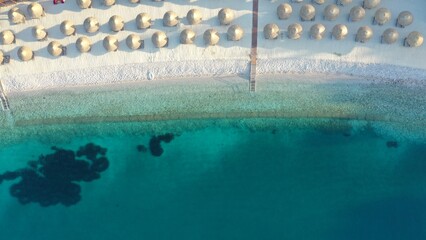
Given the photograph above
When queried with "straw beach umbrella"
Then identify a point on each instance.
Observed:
(340, 31)
(1, 57)
(364, 34)
(108, 3)
(55, 48)
(134, 42)
(16, 15)
(271, 31)
(194, 16)
(284, 11)
(307, 12)
(170, 19)
(116, 23)
(67, 28)
(25, 53)
(83, 4)
(235, 33)
(294, 31)
(390, 36)
(319, 2)
(343, 2)
(317, 31)
(331, 12)
(414, 39)
(369, 4)
(159, 39)
(187, 36)
(134, 1)
(83, 44)
(39, 32)
(35, 10)
(211, 37)
(7, 37)
(226, 16)
(405, 18)
(382, 16)
(91, 25)
(110, 43)
(143, 20)
(357, 13)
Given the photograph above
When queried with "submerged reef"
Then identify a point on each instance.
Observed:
(52, 178)
(155, 143)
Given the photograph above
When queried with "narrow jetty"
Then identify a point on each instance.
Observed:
(3, 99)
(253, 53)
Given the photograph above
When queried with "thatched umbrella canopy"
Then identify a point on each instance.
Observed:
(187, 36)
(284, 11)
(317, 31)
(211, 37)
(294, 31)
(25, 53)
(382, 16)
(331, 12)
(340, 31)
(143, 20)
(108, 3)
(7, 37)
(16, 15)
(357, 13)
(67, 28)
(226, 16)
(364, 34)
(414, 39)
(134, 1)
(344, 2)
(194, 16)
(319, 2)
(307, 12)
(235, 33)
(390, 36)
(91, 25)
(271, 31)
(39, 32)
(1, 57)
(159, 39)
(83, 44)
(54, 48)
(369, 4)
(35, 10)
(116, 23)
(405, 18)
(170, 19)
(110, 43)
(83, 4)
(134, 42)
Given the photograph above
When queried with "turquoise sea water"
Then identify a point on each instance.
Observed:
(333, 180)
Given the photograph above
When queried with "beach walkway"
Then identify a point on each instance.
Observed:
(253, 53)
(3, 99)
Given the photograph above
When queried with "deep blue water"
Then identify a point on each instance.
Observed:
(233, 183)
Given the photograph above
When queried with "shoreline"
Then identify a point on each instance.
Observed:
(395, 106)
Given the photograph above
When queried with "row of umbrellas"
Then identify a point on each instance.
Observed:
(340, 31)
(143, 20)
(331, 12)
(133, 41)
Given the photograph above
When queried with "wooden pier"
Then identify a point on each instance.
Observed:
(3, 99)
(253, 53)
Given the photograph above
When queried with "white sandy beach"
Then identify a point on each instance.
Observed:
(296, 78)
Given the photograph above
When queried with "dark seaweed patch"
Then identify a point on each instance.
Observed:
(155, 143)
(52, 178)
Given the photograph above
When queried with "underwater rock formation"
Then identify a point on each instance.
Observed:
(155, 143)
(52, 178)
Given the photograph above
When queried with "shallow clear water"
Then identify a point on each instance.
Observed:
(332, 181)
